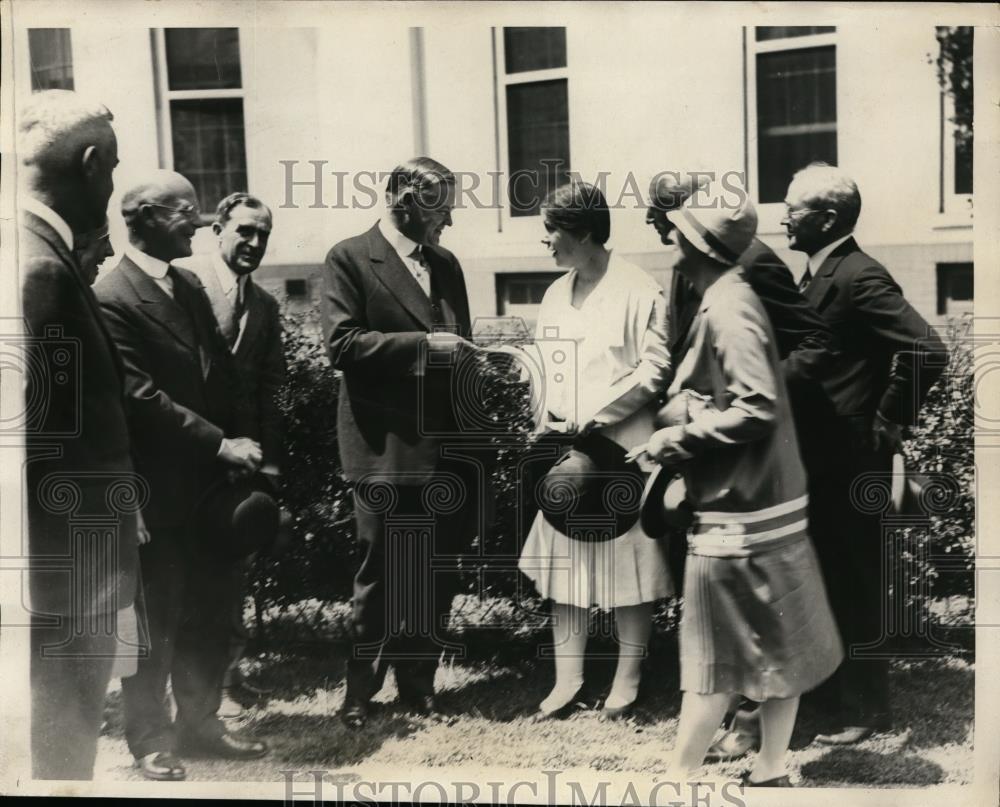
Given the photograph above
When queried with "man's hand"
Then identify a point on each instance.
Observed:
(141, 531)
(445, 340)
(886, 435)
(241, 452)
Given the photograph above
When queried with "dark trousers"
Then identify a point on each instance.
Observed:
(404, 586)
(850, 547)
(69, 679)
(187, 604)
(238, 635)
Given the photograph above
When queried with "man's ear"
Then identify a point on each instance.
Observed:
(90, 162)
(830, 221)
(216, 228)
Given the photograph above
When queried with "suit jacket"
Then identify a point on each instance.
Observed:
(889, 357)
(806, 345)
(183, 389)
(395, 408)
(260, 356)
(76, 430)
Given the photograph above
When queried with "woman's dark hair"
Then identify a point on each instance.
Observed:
(579, 208)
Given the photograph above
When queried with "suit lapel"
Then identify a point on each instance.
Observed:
(683, 307)
(158, 306)
(391, 272)
(817, 288)
(255, 318)
(43, 230)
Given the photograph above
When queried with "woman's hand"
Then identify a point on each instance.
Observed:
(663, 446)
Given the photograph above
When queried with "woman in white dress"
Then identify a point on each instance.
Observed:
(601, 340)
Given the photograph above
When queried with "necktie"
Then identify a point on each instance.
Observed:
(239, 308)
(806, 279)
(422, 270)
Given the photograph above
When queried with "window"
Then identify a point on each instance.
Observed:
(954, 288)
(536, 114)
(204, 94)
(796, 104)
(51, 55)
(519, 294)
(955, 70)
(296, 287)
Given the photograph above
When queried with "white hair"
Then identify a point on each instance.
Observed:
(820, 185)
(55, 126)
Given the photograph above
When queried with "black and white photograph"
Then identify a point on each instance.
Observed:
(467, 402)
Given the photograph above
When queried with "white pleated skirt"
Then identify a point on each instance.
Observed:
(630, 570)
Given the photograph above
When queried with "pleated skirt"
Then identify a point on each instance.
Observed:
(629, 570)
(759, 625)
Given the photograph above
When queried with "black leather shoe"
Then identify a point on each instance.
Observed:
(354, 714)
(573, 704)
(226, 746)
(423, 705)
(161, 766)
(777, 781)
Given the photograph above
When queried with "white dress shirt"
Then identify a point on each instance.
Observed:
(235, 288)
(49, 216)
(816, 259)
(404, 248)
(153, 267)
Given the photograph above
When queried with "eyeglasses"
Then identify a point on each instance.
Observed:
(187, 211)
(795, 215)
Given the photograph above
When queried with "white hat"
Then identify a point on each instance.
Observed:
(719, 222)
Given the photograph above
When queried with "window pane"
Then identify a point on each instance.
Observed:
(51, 55)
(954, 287)
(963, 165)
(203, 58)
(765, 32)
(796, 115)
(209, 147)
(538, 142)
(534, 48)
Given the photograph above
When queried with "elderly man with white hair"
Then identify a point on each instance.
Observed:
(888, 358)
(77, 442)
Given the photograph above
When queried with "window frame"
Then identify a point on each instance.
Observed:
(954, 206)
(504, 80)
(771, 213)
(164, 95)
(29, 83)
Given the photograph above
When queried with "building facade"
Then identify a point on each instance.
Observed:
(311, 117)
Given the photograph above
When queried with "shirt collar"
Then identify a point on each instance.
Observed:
(404, 246)
(153, 267)
(50, 217)
(816, 260)
(228, 279)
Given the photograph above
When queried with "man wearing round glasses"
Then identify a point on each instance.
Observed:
(876, 389)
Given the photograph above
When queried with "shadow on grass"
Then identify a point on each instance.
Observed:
(935, 699)
(323, 739)
(853, 766)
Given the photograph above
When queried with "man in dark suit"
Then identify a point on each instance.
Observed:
(77, 442)
(184, 399)
(806, 349)
(250, 321)
(888, 358)
(397, 318)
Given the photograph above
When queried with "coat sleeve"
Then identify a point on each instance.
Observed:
(354, 344)
(920, 355)
(744, 408)
(805, 341)
(150, 408)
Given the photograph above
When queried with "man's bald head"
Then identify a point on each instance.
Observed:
(161, 211)
(68, 151)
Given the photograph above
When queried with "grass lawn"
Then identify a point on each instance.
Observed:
(490, 704)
